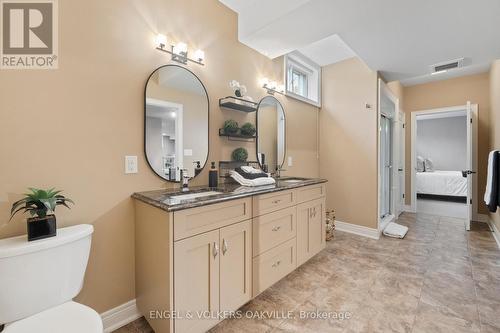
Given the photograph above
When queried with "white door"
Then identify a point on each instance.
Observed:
(470, 163)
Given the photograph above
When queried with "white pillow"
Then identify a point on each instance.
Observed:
(420, 164)
(429, 165)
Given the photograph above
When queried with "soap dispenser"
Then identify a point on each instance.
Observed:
(213, 177)
(197, 169)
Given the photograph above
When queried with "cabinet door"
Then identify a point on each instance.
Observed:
(310, 229)
(235, 265)
(196, 281)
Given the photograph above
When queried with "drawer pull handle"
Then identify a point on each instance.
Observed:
(224, 246)
(276, 228)
(215, 250)
(277, 263)
(276, 201)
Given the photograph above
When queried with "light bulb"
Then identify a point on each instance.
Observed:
(199, 55)
(264, 82)
(161, 41)
(180, 48)
(273, 85)
(281, 88)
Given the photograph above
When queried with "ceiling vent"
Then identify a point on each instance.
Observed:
(443, 67)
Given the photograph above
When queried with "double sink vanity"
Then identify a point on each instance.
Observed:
(207, 252)
(201, 253)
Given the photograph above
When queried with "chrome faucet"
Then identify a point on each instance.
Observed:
(277, 174)
(184, 179)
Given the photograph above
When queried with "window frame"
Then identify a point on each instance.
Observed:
(296, 61)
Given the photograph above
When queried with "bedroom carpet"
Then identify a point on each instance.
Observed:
(440, 278)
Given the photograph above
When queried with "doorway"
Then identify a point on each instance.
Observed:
(444, 160)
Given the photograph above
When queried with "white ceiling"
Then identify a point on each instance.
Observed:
(401, 39)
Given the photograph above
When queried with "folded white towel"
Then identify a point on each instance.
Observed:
(489, 178)
(395, 230)
(250, 169)
(251, 182)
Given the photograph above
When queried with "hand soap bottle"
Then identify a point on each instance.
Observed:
(213, 177)
(197, 169)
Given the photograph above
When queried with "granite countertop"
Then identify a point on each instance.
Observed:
(229, 191)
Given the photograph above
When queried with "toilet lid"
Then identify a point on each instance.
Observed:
(68, 317)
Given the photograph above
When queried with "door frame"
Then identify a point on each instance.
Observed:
(384, 89)
(474, 115)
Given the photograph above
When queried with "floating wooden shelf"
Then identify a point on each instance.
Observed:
(238, 104)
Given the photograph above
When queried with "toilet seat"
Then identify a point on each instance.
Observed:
(68, 317)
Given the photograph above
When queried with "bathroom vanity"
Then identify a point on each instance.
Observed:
(207, 251)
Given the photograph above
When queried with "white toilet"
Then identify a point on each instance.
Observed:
(39, 279)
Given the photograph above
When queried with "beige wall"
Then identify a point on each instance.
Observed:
(453, 92)
(71, 128)
(348, 137)
(495, 120)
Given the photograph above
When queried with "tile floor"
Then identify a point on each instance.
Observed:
(440, 278)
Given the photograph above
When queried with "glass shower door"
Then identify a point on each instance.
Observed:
(385, 165)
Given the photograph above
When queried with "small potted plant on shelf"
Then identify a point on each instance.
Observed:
(248, 129)
(230, 127)
(41, 205)
(240, 155)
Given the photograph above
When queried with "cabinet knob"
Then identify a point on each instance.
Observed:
(277, 201)
(215, 251)
(276, 228)
(224, 246)
(277, 263)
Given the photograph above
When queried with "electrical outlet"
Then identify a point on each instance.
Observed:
(131, 164)
(290, 161)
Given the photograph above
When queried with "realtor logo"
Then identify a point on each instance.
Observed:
(29, 34)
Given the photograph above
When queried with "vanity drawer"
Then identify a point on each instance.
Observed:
(266, 203)
(274, 228)
(273, 265)
(193, 221)
(311, 192)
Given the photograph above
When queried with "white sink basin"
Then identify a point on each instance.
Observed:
(189, 196)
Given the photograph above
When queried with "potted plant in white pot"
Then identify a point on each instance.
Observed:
(41, 205)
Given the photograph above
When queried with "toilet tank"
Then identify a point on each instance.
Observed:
(38, 275)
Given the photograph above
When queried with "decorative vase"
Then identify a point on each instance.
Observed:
(41, 227)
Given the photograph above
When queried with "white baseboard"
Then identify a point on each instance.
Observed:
(408, 209)
(481, 218)
(496, 232)
(120, 316)
(357, 229)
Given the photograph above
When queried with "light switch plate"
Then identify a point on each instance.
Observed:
(290, 161)
(131, 164)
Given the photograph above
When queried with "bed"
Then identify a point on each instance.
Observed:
(442, 185)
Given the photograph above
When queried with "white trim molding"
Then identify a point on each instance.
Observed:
(357, 229)
(495, 231)
(120, 316)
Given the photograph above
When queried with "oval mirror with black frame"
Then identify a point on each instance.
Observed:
(175, 122)
(271, 134)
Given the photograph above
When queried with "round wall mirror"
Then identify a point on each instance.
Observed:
(175, 123)
(271, 139)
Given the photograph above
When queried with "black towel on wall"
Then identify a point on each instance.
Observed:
(495, 184)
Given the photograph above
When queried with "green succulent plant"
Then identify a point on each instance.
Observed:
(239, 155)
(248, 129)
(40, 202)
(230, 126)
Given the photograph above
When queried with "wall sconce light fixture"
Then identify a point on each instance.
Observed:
(179, 51)
(272, 87)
